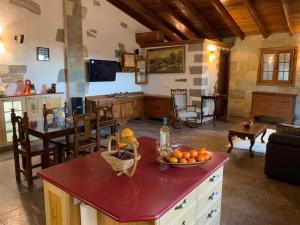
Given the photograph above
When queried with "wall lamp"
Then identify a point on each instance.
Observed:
(2, 47)
(212, 53)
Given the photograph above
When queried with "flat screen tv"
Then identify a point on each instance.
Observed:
(101, 70)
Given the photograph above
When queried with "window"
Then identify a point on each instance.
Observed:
(277, 66)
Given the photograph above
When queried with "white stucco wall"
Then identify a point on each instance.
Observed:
(106, 19)
(39, 31)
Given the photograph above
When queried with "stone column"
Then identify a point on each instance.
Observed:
(74, 63)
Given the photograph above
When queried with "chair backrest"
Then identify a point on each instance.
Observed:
(20, 134)
(104, 112)
(179, 98)
(55, 111)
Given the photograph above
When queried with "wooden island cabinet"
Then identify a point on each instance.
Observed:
(155, 195)
(134, 105)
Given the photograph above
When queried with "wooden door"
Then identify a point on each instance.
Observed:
(223, 83)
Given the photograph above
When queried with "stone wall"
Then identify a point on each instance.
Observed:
(243, 71)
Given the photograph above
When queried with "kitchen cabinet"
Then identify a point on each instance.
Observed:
(158, 107)
(33, 105)
(193, 198)
(133, 106)
(6, 104)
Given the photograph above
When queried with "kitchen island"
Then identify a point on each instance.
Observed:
(155, 195)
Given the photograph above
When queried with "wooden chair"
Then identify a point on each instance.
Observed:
(23, 147)
(61, 143)
(104, 119)
(84, 142)
(182, 111)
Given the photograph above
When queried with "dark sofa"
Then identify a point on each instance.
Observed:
(283, 157)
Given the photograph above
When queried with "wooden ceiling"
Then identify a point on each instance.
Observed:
(214, 19)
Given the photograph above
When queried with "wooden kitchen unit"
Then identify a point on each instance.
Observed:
(278, 105)
(134, 105)
(32, 104)
(170, 196)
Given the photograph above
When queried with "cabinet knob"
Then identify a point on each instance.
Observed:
(212, 213)
(213, 196)
(182, 205)
(214, 178)
(183, 223)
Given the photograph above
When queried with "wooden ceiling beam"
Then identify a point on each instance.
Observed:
(123, 7)
(157, 20)
(194, 31)
(228, 18)
(191, 8)
(285, 12)
(256, 19)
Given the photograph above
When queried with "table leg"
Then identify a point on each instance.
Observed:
(214, 113)
(201, 107)
(262, 137)
(231, 143)
(46, 152)
(252, 141)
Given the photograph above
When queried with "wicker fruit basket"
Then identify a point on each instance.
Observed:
(122, 166)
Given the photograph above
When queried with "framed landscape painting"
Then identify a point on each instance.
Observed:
(166, 60)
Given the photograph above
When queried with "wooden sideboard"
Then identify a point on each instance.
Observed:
(133, 106)
(274, 104)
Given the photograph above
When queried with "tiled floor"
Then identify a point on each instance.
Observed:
(249, 198)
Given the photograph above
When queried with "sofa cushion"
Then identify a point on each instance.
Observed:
(288, 129)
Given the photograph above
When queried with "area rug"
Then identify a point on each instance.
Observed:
(258, 147)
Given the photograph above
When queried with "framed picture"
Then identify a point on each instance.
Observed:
(43, 54)
(141, 78)
(166, 60)
(128, 61)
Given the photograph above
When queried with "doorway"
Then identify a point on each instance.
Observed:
(223, 84)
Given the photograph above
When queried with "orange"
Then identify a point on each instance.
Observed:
(182, 160)
(177, 154)
(202, 151)
(191, 160)
(127, 132)
(173, 160)
(206, 157)
(186, 155)
(194, 153)
(201, 158)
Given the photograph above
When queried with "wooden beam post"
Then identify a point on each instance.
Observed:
(191, 8)
(180, 18)
(228, 18)
(285, 12)
(256, 19)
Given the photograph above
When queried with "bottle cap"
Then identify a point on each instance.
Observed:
(165, 120)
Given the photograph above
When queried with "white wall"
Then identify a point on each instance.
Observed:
(106, 20)
(39, 31)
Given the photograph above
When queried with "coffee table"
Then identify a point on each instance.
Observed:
(251, 132)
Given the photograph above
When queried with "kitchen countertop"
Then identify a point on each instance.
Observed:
(151, 192)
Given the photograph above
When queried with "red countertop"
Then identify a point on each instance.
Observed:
(151, 192)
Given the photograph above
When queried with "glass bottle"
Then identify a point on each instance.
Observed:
(164, 138)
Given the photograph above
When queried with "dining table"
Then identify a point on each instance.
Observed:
(50, 129)
(47, 130)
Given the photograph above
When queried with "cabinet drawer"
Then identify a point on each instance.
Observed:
(187, 219)
(210, 214)
(216, 177)
(181, 208)
(208, 198)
